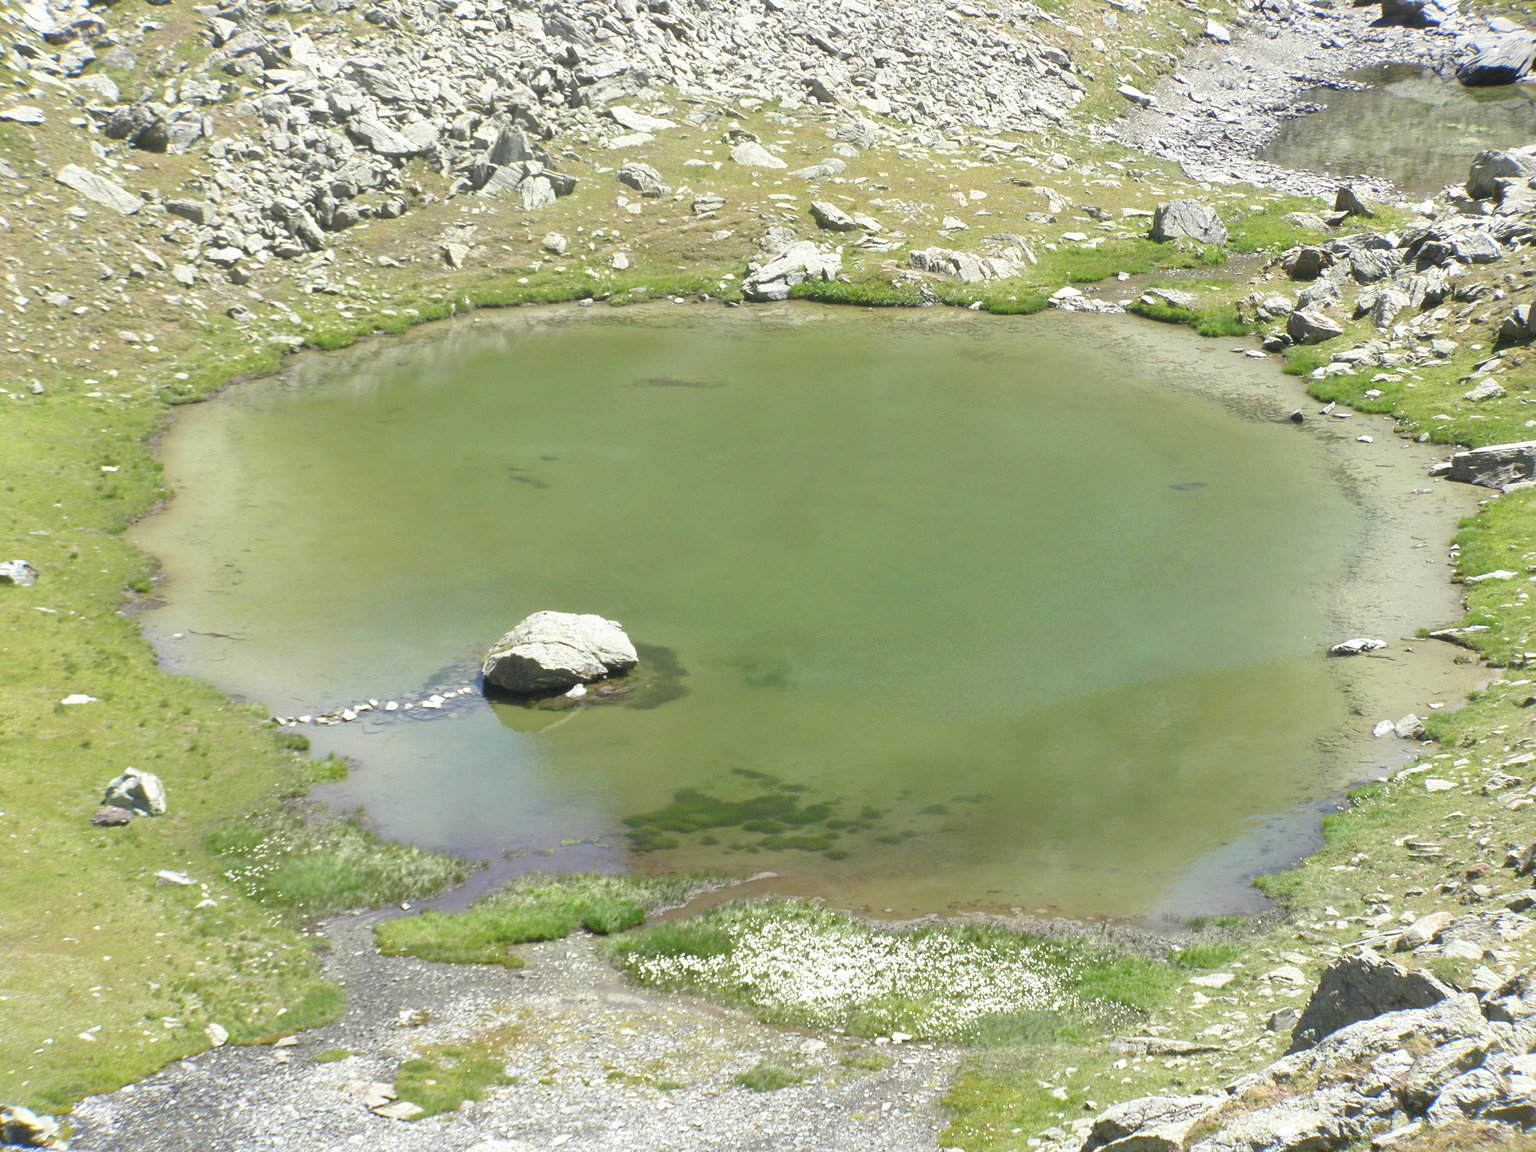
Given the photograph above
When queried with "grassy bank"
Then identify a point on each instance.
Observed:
(536, 907)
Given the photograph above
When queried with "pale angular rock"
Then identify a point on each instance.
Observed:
(643, 179)
(17, 572)
(551, 651)
(1188, 219)
(1311, 326)
(1161, 1115)
(751, 154)
(798, 263)
(1494, 165)
(138, 791)
(99, 189)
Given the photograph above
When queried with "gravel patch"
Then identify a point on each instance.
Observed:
(588, 1051)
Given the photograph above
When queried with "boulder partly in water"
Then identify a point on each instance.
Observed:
(554, 651)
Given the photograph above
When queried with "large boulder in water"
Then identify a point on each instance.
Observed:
(1189, 219)
(555, 651)
(1504, 61)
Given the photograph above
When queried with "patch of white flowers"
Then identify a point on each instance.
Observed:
(822, 971)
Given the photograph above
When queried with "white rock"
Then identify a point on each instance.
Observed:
(751, 154)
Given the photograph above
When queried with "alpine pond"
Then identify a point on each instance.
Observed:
(934, 610)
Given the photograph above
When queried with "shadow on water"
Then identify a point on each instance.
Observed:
(657, 680)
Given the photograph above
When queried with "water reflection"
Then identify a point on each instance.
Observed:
(1413, 126)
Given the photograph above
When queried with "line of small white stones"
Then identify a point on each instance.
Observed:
(435, 702)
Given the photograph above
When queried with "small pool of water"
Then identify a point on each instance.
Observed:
(937, 610)
(1413, 126)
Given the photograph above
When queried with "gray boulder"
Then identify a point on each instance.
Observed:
(137, 791)
(555, 651)
(1491, 167)
(99, 189)
(1306, 262)
(1150, 1124)
(970, 266)
(1350, 201)
(1362, 987)
(1513, 1001)
(17, 572)
(110, 816)
(1310, 326)
(643, 179)
(1187, 219)
(751, 154)
(1504, 61)
(1285, 1127)
(798, 263)
(829, 216)
(1495, 465)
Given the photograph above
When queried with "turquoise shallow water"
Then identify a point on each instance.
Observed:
(967, 611)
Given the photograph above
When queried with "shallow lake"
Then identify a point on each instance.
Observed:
(1417, 128)
(936, 610)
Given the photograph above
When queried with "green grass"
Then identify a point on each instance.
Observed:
(445, 1076)
(316, 864)
(769, 1076)
(332, 1055)
(532, 908)
(1221, 320)
(867, 294)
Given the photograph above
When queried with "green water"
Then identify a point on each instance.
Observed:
(996, 612)
(1418, 129)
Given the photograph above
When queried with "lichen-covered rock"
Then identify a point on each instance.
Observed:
(555, 651)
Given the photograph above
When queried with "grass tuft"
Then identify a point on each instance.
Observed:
(768, 1076)
(533, 908)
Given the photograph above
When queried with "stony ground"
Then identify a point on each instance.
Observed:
(598, 1065)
